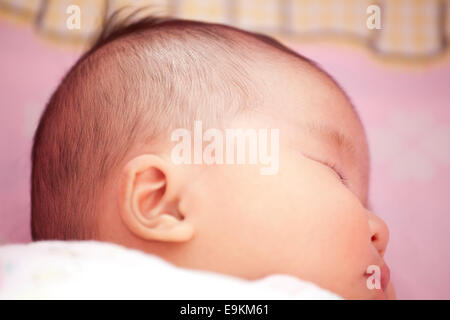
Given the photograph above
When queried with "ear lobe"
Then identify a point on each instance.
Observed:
(148, 201)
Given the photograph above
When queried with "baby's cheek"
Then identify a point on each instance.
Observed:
(343, 225)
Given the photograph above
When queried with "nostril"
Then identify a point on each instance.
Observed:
(374, 238)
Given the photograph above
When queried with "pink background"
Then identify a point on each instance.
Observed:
(406, 111)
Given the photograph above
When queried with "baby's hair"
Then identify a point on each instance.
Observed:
(140, 80)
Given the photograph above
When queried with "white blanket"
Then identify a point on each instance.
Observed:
(95, 270)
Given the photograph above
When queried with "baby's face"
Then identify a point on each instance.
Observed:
(309, 220)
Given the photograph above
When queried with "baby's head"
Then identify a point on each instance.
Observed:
(104, 157)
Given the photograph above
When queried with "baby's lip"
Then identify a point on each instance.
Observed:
(385, 276)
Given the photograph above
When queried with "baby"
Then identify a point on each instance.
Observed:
(106, 158)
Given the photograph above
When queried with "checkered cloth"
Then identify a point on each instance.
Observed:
(409, 28)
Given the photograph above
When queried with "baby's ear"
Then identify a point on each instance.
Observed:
(148, 200)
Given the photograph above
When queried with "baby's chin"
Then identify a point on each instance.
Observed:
(363, 293)
(379, 294)
(366, 295)
(387, 294)
(390, 292)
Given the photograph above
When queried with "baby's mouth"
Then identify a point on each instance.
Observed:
(385, 275)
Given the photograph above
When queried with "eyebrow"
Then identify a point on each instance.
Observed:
(334, 136)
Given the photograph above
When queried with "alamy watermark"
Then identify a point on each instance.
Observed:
(74, 19)
(229, 146)
(374, 20)
(374, 280)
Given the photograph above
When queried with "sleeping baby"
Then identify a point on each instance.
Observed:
(289, 196)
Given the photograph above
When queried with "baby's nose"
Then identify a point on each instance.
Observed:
(379, 233)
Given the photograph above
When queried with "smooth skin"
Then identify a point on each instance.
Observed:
(310, 220)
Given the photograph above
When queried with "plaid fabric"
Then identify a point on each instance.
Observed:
(329, 16)
(156, 6)
(410, 28)
(54, 18)
(212, 11)
(21, 8)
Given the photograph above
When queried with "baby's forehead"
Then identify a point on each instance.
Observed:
(315, 114)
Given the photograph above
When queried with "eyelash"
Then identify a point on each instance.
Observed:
(333, 167)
